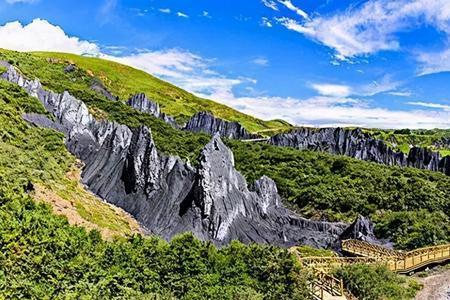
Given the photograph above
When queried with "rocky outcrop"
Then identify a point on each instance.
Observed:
(361, 229)
(70, 68)
(167, 195)
(142, 103)
(357, 144)
(99, 87)
(206, 122)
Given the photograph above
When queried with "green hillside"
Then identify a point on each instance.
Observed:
(124, 81)
(318, 185)
(403, 139)
(43, 257)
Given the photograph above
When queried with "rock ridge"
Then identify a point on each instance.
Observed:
(357, 144)
(143, 104)
(168, 196)
(207, 123)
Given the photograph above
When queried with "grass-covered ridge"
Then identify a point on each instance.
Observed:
(125, 81)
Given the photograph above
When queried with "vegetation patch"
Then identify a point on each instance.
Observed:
(377, 282)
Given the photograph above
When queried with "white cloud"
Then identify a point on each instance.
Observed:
(384, 84)
(40, 35)
(165, 10)
(431, 105)
(401, 94)
(261, 61)
(434, 62)
(372, 26)
(206, 14)
(333, 90)
(333, 108)
(270, 4)
(266, 22)
(330, 112)
(291, 6)
(182, 15)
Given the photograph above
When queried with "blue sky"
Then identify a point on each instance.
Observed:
(374, 63)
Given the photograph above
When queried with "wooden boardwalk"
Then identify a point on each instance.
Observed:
(325, 285)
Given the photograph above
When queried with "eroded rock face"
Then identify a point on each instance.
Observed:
(357, 144)
(142, 103)
(207, 123)
(168, 196)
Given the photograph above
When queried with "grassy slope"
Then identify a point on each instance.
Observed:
(401, 140)
(124, 81)
(39, 156)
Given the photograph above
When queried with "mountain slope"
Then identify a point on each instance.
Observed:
(124, 81)
(316, 184)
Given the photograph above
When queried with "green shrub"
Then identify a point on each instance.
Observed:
(377, 283)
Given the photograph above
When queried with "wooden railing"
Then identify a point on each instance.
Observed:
(366, 253)
(398, 261)
(325, 282)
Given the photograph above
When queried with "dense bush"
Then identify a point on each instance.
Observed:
(414, 229)
(377, 283)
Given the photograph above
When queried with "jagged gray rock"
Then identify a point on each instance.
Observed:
(142, 103)
(70, 68)
(167, 195)
(357, 144)
(361, 229)
(207, 123)
(98, 87)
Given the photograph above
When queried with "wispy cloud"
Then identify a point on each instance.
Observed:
(21, 1)
(401, 94)
(165, 10)
(434, 62)
(270, 4)
(265, 22)
(297, 10)
(206, 14)
(431, 105)
(182, 15)
(260, 61)
(373, 26)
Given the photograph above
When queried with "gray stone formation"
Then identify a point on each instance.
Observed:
(142, 103)
(206, 122)
(357, 144)
(70, 68)
(168, 196)
(97, 86)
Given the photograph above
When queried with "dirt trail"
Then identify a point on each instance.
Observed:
(436, 286)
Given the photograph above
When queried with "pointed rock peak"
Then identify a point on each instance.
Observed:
(217, 151)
